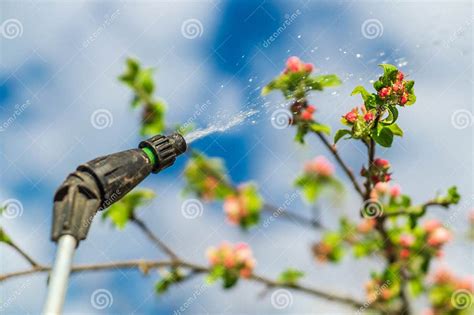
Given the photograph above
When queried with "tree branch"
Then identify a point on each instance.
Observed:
(424, 206)
(145, 265)
(338, 158)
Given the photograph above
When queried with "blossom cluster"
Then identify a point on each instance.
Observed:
(385, 189)
(378, 171)
(294, 64)
(231, 261)
(207, 178)
(396, 91)
(319, 166)
(351, 117)
(318, 176)
(450, 294)
(243, 206)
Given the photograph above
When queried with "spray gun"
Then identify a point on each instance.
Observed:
(95, 186)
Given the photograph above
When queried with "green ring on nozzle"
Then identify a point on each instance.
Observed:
(164, 149)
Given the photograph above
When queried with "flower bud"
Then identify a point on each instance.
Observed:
(351, 116)
(439, 236)
(369, 117)
(294, 64)
(308, 67)
(382, 163)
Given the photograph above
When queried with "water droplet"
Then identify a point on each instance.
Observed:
(382, 54)
(250, 80)
(358, 55)
(299, 36)
(327, 58)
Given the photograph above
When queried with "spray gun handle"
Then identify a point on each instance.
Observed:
(99, 183)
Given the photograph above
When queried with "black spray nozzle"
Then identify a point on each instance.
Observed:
(165, 149)
(99, 183)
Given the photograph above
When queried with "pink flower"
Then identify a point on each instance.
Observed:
(381, 163)
(406, 240)
(294, 64)
(311, 108)
(229, 261)
(366, 225)
(395, 191)
(382, 188)
(308, 67)
(321, 166)
(430, 225)
(211, 254)
(471, 216)
(245, 273)
(466, 283)
(236, 257)
(404, 99)
(400, 76)
(443, 275)
(232, 209)
(369, 117)
(306, 115)
(404, 253)
(439, 236)
(384, 92)
(428, 311)
(351, 116)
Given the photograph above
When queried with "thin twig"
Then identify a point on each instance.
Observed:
(159, 243)
(338, 158)
(23, 253)
(291, 216)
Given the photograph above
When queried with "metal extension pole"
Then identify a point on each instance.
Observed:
(58, 280)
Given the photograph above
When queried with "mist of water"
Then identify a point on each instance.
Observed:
(220, 126)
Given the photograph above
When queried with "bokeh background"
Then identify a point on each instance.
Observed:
(60, 65)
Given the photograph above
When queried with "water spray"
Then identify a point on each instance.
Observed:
(95, 186)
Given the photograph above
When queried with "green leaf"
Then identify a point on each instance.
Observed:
(392, 116)
(4, 238)
(328, 80)
(131, 71)
(396, 130)
(120, 212)
(320, 128)
(341, 133)
(388, 69)
(362, 91)
(269, 87)
(384, 137)
(416, 286)
(145, 81)
(301, 133)
(252, 202)
(230, 278)
(409, 86)
(174, 276)
(452, 197)
(290, 276)
(411, 99)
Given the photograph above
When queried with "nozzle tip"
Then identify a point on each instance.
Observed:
(178, 142)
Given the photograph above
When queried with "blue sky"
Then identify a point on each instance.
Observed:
(64, 63)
